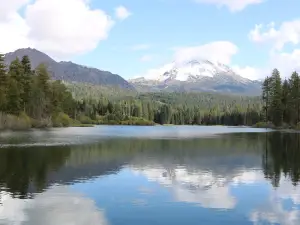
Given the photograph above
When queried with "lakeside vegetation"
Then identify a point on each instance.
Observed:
(29, 98)
(281, 101)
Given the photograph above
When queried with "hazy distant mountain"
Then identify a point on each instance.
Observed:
(69, 71)
(201, 75)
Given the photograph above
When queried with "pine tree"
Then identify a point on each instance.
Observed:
(294, 97)
(285, 101)
(27, 80)
(276, 98)
(3, 83)
(42, 92)
(13, 97)
(16, 72)
(266, 95)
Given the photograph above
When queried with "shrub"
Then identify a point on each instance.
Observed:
(86, 120)
(264, 125)
(62, 120)
(13, 122)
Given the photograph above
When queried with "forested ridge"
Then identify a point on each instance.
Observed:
(28, 98)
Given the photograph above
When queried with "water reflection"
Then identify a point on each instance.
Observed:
(58, 205)
(251, 177)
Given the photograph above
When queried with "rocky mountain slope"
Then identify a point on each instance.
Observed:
(69, 71)
(201, 75)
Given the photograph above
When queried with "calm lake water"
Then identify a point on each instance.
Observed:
(160, 175)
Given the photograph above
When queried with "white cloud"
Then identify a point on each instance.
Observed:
(140, 47)
(221, 51)
(233, 5)
(61, 28)
(74, 29)
(287, 32)
(10, 7)
(15, 35)
(146, 58)
(155, 72)
(286, 62)
(122, 13)
(249, 72)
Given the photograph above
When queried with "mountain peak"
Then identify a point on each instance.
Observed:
(201, 75)
(36, 57)
(192, 70)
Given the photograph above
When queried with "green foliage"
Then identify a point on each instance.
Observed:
(3, 83)
(62, 120)
(282, 100)
(86, 120)
(264, 125)
(56, 103)
(32, 93)
(12, 122)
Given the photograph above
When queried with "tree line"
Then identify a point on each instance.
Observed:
(29, 98)
(281, 100)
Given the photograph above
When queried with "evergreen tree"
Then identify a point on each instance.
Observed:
(16, 72)
(27, 80)
(41, 92)
(3, 83)
(276, 98)
(266, 96)
(294, 97)
(13, 97)
(285, 101)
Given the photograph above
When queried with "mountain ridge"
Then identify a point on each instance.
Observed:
(190, 76)
(69, 71)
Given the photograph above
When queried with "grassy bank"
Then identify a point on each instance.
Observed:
(269, 125)
(24, 122)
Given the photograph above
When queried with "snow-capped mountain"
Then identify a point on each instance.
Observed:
(197, 75)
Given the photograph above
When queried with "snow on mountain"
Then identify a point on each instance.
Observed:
(191, 71)
(196, 75)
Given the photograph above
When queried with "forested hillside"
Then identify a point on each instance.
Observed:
(68, 71)
(28, 98)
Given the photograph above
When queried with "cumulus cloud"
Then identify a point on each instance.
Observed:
(154, 72)
(221, 51)
(287, 32)
(10, 7)
(233, 5)
(15, 35)
(251, 73)
(122, 13)
(61, 28)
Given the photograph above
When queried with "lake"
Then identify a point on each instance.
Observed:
(118, 175)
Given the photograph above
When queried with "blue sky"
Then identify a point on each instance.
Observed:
(164, 24)
(90, 33)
